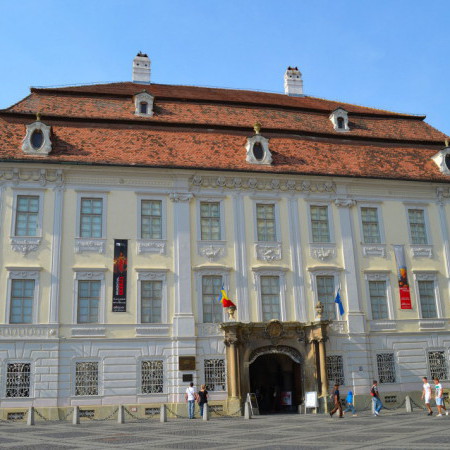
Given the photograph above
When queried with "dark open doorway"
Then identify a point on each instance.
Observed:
(276, 380)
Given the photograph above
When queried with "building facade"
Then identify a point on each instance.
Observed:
(279, 199)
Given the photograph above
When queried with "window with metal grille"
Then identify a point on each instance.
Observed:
(378, 299)
(265, 223)
(427, 299)
(152, 377)
(326, 295)
(91, 216)
(151, 301)
(212, 308)
(88, 301)
(86, 378)
(371, 227)
(335, 369)
(151, 219)
(417, 226)
(386, 367)
(21, 306)
(27, 213)
(210, 221)
(390, 399)
(215, 375)
(320, 227)
(270, 297)
(18, 380)
(438, 365)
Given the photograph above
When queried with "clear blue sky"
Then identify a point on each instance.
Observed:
(390, 54)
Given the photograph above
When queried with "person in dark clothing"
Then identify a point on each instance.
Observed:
(202, 398)
(337, 402)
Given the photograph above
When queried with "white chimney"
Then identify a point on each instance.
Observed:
(293, 83)
(141, 68)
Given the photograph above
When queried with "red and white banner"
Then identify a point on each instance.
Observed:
(405, 295)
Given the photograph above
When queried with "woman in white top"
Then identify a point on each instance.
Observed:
(426, 394)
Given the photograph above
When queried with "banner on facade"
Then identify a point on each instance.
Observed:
(405, 295)
(119, 300)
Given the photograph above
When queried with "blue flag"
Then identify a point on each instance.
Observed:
(339, 302)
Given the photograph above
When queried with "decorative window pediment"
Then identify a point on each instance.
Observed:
(339, 119)
(37, 139)
(442, 159)
(143, 103)
(258, 148)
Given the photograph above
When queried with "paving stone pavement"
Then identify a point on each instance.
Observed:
(392, 430)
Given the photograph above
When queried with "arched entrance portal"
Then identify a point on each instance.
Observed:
(276, 379)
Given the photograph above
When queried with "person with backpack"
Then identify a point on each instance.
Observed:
(350, 405)
(337, 402)
(377, 405)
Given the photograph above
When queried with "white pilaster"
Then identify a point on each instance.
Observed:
(55, 270)
(355, 316)
(296, 261)
(444, 234)
(240, 251)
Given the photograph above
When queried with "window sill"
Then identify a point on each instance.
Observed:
(322, 250)
(211, 249)
(377, 250)
(151, 246)
(421, 251)
(96, 245)
(25, 244)
(268, 251)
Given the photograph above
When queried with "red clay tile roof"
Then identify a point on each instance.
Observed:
(202, 128)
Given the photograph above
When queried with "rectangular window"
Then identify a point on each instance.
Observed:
(335, 369)
(18, 380)
(215, 374)
(91, 217)
(417, 226)
(151, 219)
(212, 308)
(319, 224)
(22, 298)
(86, 378)
(88, 301)
(27, 215)
(371, 227)
(438, 365)
(210, 221)
(386, 367)
(151, 301)
(326, 295)
(270, 298)
(427, 299)
(265, 223)
(378, 300)
(152, 377)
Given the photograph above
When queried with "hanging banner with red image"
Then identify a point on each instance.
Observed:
(119, 300)
(405, 295)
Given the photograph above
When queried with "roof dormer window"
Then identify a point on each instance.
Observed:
(442, 159)
(258, 148)
(143, 104)
(37, 139)
(339, 119)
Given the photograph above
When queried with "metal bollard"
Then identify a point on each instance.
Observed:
(76, 415)
(163, 414)
(121, 415)
(247, 411)
(408, 404)
(205, 412)
(30, 417)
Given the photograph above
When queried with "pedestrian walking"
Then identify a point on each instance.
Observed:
(439, 397)
(426, 395)
(190, 397)
(337, 402)
(202, 398)
(377, 405)
(350, 404)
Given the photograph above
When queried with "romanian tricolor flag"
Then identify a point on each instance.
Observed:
(223, 298)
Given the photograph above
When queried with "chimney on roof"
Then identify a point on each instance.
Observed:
(141, 68)
(293, 83)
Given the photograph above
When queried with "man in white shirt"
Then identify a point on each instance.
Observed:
(426, 395)
(439, 396)
(190, 397)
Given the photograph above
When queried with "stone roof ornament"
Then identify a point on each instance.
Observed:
(257, 127)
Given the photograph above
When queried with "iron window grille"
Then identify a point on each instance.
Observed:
(371, 227)
(215, 375)
(151, 219)
(86, 378)
(18, 380)
(210, 221)
(335, 369)
(27, 211)
(386, 368)
(265, 223)
(438, 365)
(152, 377)
(319, 224)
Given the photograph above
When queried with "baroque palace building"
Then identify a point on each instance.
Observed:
(125, 207)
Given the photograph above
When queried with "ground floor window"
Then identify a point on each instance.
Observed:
(215, 374)
(335, 369)
(152, 377)
(438, 365)
(18, 380)
(86, 378)
(386, 368)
